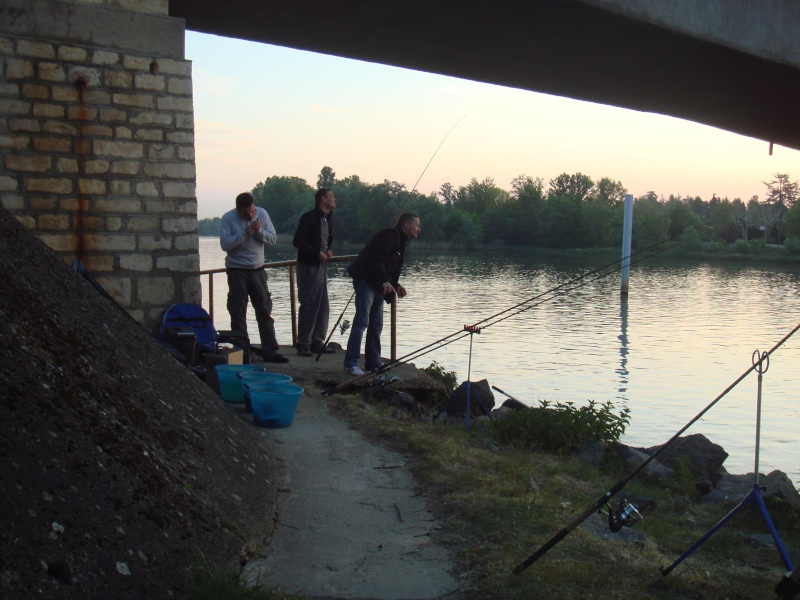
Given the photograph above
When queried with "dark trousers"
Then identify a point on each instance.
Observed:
(312, 291)
(252, 284)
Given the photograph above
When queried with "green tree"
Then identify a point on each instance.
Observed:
(782, 190)
(650, 222)
(285, 199)
(575, 186)
(326, 178)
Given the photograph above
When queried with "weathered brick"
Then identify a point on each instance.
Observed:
(147, 224)
(189, 241)
(147, 189)
(150, 243)
(155, 290)
(136, 262)
(147, 81)
(179, 86)
(184, 121)
(27, 125)
(113, 224)
(120, 188)
(161, 151)
(117, 205)
(158, 205)
(11, 201)
(123, 133)
(52, 185)
(169, 170)
(99, 263)
(188, 263)
(186, 153)
(36, 91)
(136, 63)
(9, 89)
(52, 111)
(108, 243)
(104, 58)
(72, 54)
(12, 106)
(113, 115)
(72, 204)
(91, 223)
(175, 103)
(59, 128)
(118, 287)
(6, 46)
(64, 93)
(156, 7)
(96, 131)
(53, 222)
(118, 79)
(8, 183)
(51, 144)
(33, 163)
(81, 113)
(118, 149)
(150, 118)
(43, 203)
(91, 77)
(18, 69)
(59, 242)
(96, 96)
(92, 187)
(96, 167)
(139, 100)
(149, 135)
(67, 165)
(192, 290)
(35, 49)
(14, 142)
(126, 167)
(52, 72)
(179, 224)
(180, 137)
(178, 190)
(171, 66)
(188, 207)
(82, 146)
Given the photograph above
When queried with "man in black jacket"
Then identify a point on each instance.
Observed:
(376, 274)
(313, 240)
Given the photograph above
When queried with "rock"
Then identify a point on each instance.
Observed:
(705, 459)
(731, 489)
(400, 400)
(591, 453)
(479, 393)
(634, 457)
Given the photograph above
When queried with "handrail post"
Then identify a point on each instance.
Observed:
(394, 328)
(292, 303)
(211, 296)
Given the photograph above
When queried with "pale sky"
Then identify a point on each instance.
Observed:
(264, 110)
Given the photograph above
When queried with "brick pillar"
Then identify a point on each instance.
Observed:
(97, 143)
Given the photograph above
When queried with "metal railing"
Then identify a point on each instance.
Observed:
(291, 264)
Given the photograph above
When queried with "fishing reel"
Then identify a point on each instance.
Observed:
(345, 325)
(627, 515)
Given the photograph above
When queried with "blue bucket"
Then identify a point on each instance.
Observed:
(249, 377)
(274, 404)
(230, 389)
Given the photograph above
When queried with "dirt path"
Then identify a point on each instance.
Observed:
(351, 524)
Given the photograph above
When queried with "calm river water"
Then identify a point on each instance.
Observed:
(687, 332)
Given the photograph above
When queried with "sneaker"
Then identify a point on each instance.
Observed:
(322, 350)
(303, 351)
(375, 369)
(275, 357)
(354, 371)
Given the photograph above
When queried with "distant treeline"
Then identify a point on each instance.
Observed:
(571, 211)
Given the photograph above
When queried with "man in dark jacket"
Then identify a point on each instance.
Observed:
(313, 240)
(376, 274)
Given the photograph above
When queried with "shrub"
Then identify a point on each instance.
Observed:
(741, 247)
(792, 245)
(448, 378)
(562, 426)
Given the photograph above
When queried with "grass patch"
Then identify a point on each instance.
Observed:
(500, 503)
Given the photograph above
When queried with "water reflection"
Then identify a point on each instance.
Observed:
(683, 334)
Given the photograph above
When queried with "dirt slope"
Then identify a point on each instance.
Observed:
(117, 465)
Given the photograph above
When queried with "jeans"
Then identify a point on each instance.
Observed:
(369, 316)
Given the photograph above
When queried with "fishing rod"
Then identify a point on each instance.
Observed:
(408, 197)
(617, 487)
(453, 337)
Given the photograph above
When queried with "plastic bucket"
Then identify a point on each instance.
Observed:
(230, 388)
(274, 404)
(255, 377)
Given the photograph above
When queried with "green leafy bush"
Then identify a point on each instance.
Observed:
(792, 245)
(448, 378)
(741, 247)
(562, 426)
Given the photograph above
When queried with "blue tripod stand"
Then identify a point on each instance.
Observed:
(761, 360)
(472, 329)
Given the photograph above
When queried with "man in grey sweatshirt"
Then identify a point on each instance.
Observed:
(243, 233)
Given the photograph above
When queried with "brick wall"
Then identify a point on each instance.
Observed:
(97, 148)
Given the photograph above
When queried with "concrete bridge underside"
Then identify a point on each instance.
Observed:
(731, 64)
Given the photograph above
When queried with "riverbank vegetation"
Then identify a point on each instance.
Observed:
(571, 211)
